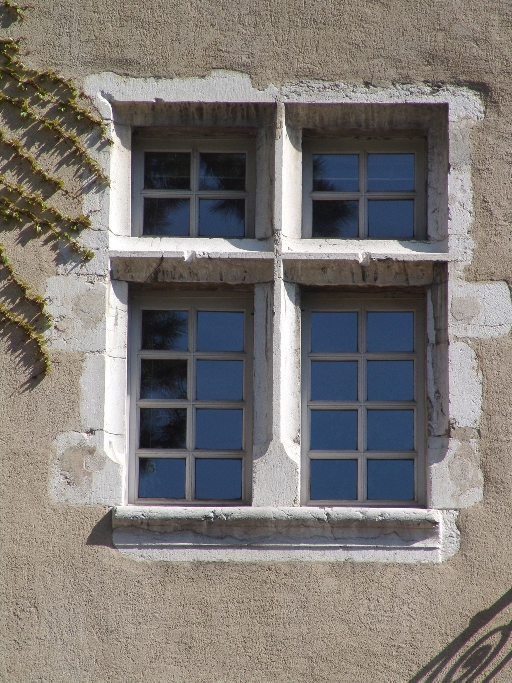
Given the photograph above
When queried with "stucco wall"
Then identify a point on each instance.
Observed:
(74, 608)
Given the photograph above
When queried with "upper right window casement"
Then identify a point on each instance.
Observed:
(364, 189)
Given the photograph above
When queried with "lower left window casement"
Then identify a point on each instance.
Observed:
(190, 399)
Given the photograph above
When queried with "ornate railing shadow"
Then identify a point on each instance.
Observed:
(479, 653)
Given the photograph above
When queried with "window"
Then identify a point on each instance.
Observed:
(363, 400)
(191, 420)
(355, 189)
(193, 188)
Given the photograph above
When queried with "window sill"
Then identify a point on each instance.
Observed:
(248, 534)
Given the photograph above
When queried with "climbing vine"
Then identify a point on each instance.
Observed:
(55, 110)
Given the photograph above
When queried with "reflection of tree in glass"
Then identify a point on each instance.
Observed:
(222, 171)
(335, 218)
(165, 330)
(230, 207)
(163, 427)
(320, 182)
(147, 465)
(167, 170)
(164, 379)
(169, 217)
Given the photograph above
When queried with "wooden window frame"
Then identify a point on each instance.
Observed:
(193, 145)
(204, 301)
(416, 146)
(359, 302)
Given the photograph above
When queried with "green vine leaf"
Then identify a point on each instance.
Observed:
(54, 104)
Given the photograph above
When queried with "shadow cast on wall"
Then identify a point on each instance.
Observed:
(480, 653)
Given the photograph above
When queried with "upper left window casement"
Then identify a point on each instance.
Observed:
(193, 188)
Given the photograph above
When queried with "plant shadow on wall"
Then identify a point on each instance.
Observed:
(481, 653)
(47, 131)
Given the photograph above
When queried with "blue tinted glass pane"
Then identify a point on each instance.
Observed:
(222, 171)
(390, 430)
(165, 379)
(390, 172)
(220, 331)
(218, 479)
(391, 479)
(166, 217)
(390, 331)
(163, 428)
(335, 218)
(334, 381)
(390, 380)
(335, 172)
(219, 429)
(333, 480)
(221, 217)
(333, 430)
(167, 170)
(162, 477)
(165, 330)
(391, 219)
(219, 379)
(334, 331)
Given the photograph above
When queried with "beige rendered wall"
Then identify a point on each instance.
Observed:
(74, 608)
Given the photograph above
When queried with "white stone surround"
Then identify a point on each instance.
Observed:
(90, 309)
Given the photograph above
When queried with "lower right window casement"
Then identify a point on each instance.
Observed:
(363, 398)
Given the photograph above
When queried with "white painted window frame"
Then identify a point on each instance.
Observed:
(349, 301)
(362, 147)
(192, 302)
(194, 145)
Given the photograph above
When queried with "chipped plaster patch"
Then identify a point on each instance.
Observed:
(465, 386)
(480, 310)
(82, 472)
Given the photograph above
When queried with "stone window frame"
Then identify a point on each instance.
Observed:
(446, 115)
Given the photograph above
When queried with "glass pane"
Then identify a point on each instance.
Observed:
(163, 428)
(390, 172)
(333, 430)
(167, 170)
(390, 380)
(220, 331)
(333, 480)
(218, 479)
(221, 217)
(222, 171)
(335, 172)
(334, 332)
(391, 479)
(335, 218)
(162, 477)
(391, 219)
(390, 331)
(166, 217)
(219, 379)
(390, 430)
(333, 381)
(165, 379)
(165, 330)
(219, 429)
